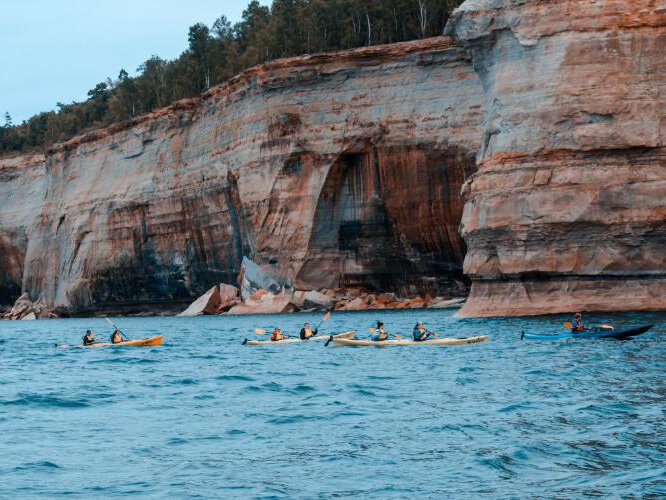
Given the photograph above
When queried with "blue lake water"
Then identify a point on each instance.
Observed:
(204, 416)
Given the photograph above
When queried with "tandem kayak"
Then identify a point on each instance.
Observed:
(345, 335)
(153, 341)
(387, 343)
(596, 333)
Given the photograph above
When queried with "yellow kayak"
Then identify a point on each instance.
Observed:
(127, 343)
(345, 335)
(406, 342)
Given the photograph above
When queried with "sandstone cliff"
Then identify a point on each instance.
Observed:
(340, 170)
(568, 208)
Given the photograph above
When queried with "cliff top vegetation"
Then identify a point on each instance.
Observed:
(216, 53)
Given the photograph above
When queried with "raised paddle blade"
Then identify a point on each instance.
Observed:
(109, 321)
(372, 330)
(259, 331)
(567, 324)
(327, 316)
(607, 327)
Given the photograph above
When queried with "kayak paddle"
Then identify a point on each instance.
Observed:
(260, 331)
(326, 317)
(114, 326)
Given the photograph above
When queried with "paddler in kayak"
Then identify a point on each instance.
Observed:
(420, 334)
(277, 335)
(381, 333)
(306, 332)
(89, 338)
(116, 337)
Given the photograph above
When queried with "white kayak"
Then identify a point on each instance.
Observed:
(387, 343)
(297, 340)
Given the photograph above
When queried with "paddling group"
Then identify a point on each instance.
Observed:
(419, 333)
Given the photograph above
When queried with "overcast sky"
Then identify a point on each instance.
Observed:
(56, 50)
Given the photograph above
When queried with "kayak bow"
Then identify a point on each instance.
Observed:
(596, 333)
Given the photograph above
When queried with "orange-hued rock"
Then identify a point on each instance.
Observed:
(568, 208)
(328, 171)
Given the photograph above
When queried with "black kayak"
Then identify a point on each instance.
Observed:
(594, 333)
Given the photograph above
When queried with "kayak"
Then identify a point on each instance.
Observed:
(596, 333)
(345, 335)
(128, 343)
(386, 343)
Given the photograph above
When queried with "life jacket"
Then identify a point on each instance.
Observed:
(275, 336)
(577, 326)
(419, 335)
(88, 341)
(381, 335)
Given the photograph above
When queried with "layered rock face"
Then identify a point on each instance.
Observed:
(22, 186)
(330, 171)
(568, 208)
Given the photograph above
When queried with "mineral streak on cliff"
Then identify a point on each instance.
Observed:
(333, 170)
(568, 208)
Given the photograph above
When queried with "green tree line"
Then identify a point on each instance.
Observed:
(218, 52)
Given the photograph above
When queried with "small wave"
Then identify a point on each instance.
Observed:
(239, 378)
(37, 466)
(269, 387)
(302, 388)
(291, 419)
(501, 463)
(46, 402)
(184, 381)
(235, 432)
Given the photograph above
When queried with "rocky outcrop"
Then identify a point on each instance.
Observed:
(217, 300)
(338, 170)
(568, 208)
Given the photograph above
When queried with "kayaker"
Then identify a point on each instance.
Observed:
(89, 338)
(420, 334)
(277, 335)
(577, 325)
(306, 333)
(381, 333)
(116, 337)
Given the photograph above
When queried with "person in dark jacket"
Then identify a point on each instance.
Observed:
(420, 334)
(306, 333)
(89, 338)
